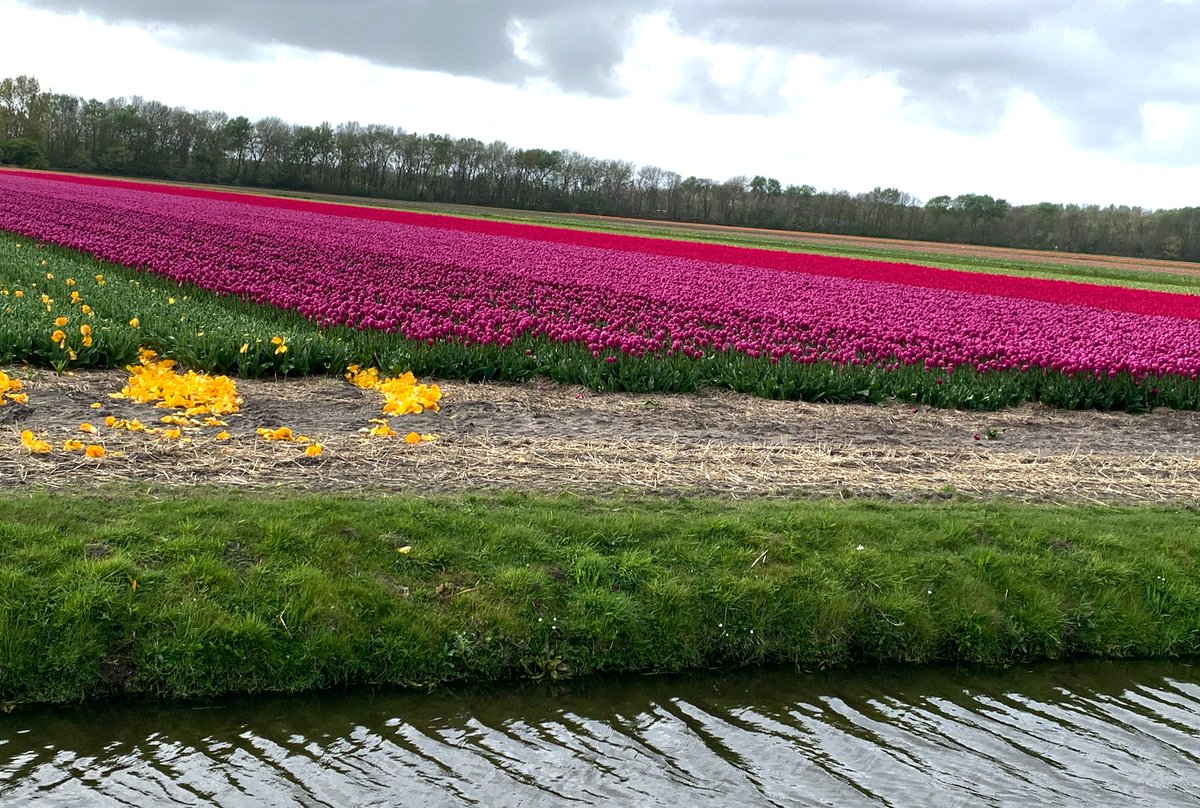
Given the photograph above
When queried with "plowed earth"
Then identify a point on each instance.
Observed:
(548, 438)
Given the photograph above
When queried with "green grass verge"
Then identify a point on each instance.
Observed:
(239, 593)
(205, 332)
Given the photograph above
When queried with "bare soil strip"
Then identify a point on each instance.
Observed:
(549, 438)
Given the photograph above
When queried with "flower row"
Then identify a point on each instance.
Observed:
(432, 279)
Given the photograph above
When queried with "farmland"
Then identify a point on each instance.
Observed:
(179, 352)
(653, 314)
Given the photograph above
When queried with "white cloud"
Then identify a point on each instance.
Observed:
(798, 117)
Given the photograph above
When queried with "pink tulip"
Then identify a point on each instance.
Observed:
(434, 278)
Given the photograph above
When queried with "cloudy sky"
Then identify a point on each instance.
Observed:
(1087, 101)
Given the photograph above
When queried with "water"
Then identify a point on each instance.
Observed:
(1080, 734)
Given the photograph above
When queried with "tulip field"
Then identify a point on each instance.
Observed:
(462, 298)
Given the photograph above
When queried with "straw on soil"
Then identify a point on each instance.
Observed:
(548, 438)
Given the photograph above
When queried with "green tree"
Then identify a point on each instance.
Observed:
(979, 210)
(22, 108)
(24, 152)
(237, 135)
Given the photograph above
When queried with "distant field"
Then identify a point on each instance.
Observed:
(1111, 269)
(1139, 273)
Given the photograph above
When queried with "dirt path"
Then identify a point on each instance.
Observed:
(544, 437)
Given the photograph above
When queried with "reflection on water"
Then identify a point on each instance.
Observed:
(1082, 734)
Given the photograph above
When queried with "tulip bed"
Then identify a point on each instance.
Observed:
(474, 299)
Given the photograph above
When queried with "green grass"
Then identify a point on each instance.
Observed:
(239, 593)
(206, 332)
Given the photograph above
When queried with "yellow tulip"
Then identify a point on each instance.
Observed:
(33, 443)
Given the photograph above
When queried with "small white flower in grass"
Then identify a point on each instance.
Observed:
(860, 547)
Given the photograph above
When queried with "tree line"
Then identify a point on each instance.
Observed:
(141, 138)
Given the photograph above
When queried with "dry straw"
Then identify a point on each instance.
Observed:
(549, 465)
(549, 438)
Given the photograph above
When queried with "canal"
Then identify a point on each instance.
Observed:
(1091, 733)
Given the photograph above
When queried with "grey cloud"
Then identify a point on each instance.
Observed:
(461, 37)
(751, 95)
(578, 45)
(1095, 62)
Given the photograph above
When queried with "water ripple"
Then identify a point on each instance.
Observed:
(1062, 735)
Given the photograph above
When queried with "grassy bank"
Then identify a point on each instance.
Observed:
(162, 594)
(202, 331)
